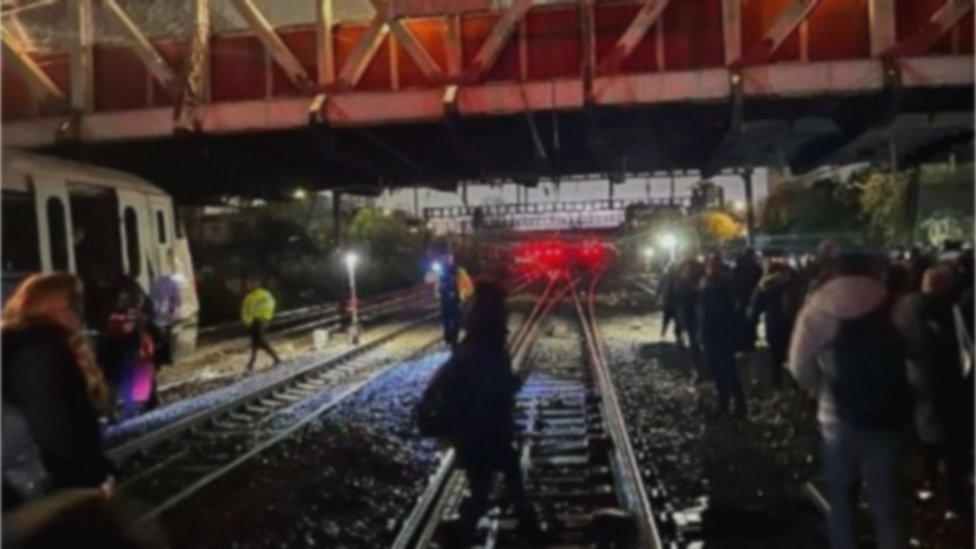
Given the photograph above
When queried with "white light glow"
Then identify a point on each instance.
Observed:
(648, 252)
(436, 267)
(668, 240)
(351, 260)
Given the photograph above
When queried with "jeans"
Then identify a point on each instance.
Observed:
(853, 454)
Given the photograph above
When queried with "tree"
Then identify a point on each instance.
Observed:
(828, 205)
(716, 226)
(391, 243)
(881, 198)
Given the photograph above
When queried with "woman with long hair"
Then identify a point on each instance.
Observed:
(479, 388)
(52, 383)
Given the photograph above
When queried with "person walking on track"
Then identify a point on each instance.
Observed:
(256, 312)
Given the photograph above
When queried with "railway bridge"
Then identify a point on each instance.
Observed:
(431, 92)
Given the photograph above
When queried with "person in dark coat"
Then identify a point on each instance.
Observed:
(717, 313)
(777, 299)
(479, 389)
(52, 384)
(745, 277)
(943, 415)
(686, 305)
(668, 295)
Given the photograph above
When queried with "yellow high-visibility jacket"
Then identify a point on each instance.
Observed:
(464, 284)
(258, 304)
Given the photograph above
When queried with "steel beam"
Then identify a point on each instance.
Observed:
(432, 71)
(195, 90)
(732, 30)
(942, 20)
(452, 45)
(787, 22)
(80, 56)
(648, 14)
(881, 14)
(283, 56)
(588, 47)
(10, 8)
(492, 48)
(325, 54)
(364, 51)
(43, 88)
(143, 49)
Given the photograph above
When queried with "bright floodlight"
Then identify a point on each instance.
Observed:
(648, 252)
(300, 194)
(739, 205)
(668, 241)
(436, 267)
(351, 259)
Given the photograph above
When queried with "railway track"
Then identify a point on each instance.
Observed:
(230, 335)
(165, 467)
(578, 463)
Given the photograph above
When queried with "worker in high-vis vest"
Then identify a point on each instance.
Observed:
(256, 313)
(453, 286)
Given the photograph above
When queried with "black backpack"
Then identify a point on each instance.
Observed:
(436, 414)
(869, 378)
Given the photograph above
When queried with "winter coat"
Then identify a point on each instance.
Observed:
(776, 299)
(479, 387)
(839, 299)
(745, 277)
(927, 326)
(717, 315)
(43, 387)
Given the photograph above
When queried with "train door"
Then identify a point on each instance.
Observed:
(135, 229)
(96, 241)
(53, 223)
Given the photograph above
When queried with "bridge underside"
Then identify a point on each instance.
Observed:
(924, 125)
(480, 94)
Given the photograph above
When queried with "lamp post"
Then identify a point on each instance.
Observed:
(351, 260)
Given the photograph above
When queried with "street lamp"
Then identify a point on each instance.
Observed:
(351, 260)
(669, 242)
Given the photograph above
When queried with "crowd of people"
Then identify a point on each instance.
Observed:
(882, 342)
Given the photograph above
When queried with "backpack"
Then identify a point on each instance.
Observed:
(435, 413)
(869, 379)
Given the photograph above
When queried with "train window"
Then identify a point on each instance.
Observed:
(20, 250)
(131, 221)
(58, 234)
(161, 226)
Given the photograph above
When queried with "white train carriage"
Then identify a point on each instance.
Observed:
(97, 223)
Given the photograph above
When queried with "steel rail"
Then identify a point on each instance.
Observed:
(317, 309)
(630, 484)
(280, 436)
(179, 427)
(420, 525)
(259, 395)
